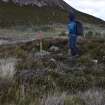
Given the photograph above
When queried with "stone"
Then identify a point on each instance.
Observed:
(41, 54)
(54, 49)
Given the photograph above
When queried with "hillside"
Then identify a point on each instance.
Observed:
(17, 13)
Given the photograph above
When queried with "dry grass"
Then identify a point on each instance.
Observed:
(7, 68)
(37, 83)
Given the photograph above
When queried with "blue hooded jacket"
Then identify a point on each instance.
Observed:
(72, 31)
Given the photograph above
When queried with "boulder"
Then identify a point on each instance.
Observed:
(54, 49)
(41, 54)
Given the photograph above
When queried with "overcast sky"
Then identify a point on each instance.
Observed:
(92, 7)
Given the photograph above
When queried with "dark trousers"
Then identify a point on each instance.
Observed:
(74, 51)
(72, 45)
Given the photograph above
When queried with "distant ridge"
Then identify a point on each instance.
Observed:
(14, 12)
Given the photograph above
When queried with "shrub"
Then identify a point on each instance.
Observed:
(63, 33)
(73, 100)
(20, 53)
(85, 59)
(89, 34)
(93, 97)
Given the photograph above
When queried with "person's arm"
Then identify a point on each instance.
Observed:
(75, 27)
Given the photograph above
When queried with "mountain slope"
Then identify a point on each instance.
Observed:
(28, 12)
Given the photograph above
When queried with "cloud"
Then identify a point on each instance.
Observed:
(92, 7)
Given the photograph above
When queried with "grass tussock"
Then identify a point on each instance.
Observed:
(51, 80)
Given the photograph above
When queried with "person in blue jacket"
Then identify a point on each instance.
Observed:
(73, 35)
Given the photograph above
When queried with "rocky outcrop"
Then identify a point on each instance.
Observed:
(41, 3)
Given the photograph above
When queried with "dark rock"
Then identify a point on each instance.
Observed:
(4, 85)
(26, 76)
(42, 3)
